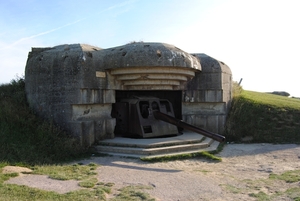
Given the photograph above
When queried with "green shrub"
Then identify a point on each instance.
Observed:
(237, 89)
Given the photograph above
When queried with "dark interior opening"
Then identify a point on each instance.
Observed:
(175, 97)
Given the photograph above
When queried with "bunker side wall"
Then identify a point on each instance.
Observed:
(208, 98)
(61, 86)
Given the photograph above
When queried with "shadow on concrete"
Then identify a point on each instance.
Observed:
(113, 161)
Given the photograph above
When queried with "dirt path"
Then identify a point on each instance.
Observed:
(245, 169)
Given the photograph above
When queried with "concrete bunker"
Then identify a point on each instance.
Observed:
(75, 85)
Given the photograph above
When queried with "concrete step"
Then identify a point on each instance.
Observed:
(157, 147)
(212, 147)
(151, 151)
(185, 138)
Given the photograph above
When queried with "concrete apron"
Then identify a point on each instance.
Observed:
(188, 142)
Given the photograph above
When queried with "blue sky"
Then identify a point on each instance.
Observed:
(258, 39)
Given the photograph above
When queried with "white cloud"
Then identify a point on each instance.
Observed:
(40, 34)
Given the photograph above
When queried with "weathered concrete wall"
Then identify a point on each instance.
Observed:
(61, 82)
(75, 85)
(210, 94)
(147, 54)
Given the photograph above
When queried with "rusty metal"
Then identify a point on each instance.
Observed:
(184, 125)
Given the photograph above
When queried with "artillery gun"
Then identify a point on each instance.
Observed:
(148, 117)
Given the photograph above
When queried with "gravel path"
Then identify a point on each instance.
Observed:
(198, 179)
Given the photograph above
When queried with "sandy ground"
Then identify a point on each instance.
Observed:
(243, 170)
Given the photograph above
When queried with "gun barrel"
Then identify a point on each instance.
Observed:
(182, 124)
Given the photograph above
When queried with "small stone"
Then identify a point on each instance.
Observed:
(15, 169)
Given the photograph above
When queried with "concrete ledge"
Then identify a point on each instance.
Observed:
(156, 147)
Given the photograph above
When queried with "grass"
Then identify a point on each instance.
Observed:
(270, 188)
(289, 176)
(276, 101)
(133, 193)
(89, 183)
(66, 172)
(293, 193)
(232, 189)
(5, 177)
(26, 139)
(204, 154)
(14, 192)
(10, 192)
(85, 174)
(289, 194)
(265, 118)
(260, 196)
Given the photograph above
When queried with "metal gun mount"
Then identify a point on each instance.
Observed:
(151, 117)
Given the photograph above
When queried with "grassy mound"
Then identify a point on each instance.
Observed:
(24, 138)
(262, 117)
